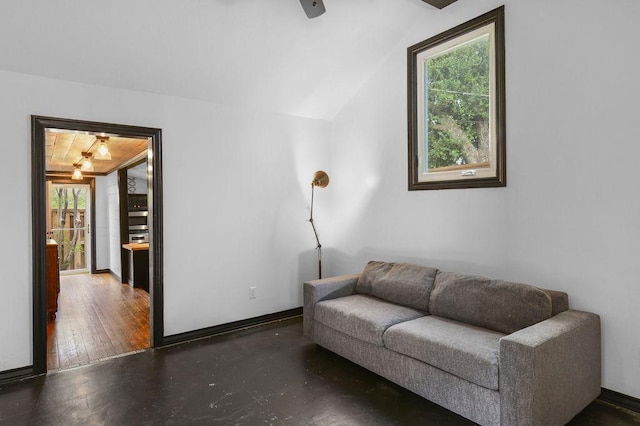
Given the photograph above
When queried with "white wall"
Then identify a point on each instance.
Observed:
(139, 176)
(235, 202)
(569, 218)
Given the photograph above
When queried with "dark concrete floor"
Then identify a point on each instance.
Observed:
(264, 375)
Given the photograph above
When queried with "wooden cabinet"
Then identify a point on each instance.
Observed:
(137, 270)
(53, 278)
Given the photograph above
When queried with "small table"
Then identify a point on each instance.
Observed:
(138, 271)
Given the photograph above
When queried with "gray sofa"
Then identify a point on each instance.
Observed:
(493, 351)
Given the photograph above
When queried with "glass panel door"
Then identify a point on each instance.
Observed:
(69, 225)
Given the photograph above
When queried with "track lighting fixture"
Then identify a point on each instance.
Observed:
(84, 163)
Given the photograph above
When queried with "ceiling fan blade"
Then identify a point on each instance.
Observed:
(313, 8)
(439, 3)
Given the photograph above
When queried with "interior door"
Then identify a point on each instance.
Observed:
(68, 219)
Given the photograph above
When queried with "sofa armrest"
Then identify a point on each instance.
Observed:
(323, 289)
(550, 371)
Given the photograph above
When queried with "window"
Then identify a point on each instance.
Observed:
(457, 107)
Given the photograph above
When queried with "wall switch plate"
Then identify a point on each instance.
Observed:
(252, 292)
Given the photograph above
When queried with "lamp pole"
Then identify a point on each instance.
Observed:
(320, 179)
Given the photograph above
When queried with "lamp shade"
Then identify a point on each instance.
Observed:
(320, 179)
(102, 151)
(86, 166)
(77, 173)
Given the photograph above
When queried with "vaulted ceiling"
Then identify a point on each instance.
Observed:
(251, 53)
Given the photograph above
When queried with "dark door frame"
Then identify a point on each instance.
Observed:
(38, 200)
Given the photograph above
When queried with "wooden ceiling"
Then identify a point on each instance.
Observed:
(64, 149)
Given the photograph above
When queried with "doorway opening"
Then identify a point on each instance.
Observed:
(89, 272)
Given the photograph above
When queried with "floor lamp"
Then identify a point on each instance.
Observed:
(321, 180)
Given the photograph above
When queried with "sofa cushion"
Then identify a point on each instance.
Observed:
(363, 317)
(403, 283)
(466, 351)
(494, 304)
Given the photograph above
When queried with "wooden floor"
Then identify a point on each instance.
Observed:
(98, 318)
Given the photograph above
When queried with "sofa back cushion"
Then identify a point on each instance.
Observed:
(402, 283)
(494, 304)
(559, 301)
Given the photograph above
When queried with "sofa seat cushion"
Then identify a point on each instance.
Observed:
(466, 351)
(363, 317)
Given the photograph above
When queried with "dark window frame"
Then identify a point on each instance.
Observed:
(495, 17)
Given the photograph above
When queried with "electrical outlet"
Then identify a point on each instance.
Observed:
(252, 292)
